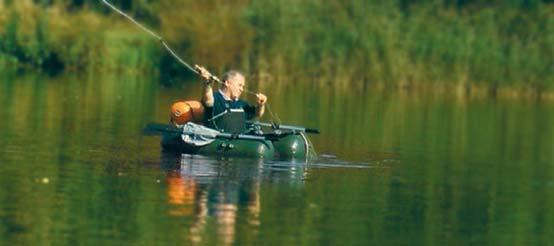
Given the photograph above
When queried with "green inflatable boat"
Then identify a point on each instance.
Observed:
(267, 141)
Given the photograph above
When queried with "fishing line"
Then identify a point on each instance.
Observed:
(166, 46)
(153, 34)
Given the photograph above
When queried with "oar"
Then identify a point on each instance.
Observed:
(159, 129)
(287, 127)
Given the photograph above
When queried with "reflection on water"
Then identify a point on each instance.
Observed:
(205, 188)
(220, 193)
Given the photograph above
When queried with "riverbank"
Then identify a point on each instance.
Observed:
(493, 49)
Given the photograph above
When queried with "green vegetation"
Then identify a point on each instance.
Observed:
(394, 43)
(56, 38)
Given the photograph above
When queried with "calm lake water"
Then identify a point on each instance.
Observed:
(394, 168)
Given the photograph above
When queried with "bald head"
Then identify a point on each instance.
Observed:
(232, 75)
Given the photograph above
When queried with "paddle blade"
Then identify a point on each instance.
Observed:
(160, 129)
(311, 130)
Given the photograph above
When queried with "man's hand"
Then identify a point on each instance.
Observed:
(261, 99)
(203, 73)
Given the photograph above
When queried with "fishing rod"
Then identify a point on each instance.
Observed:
(161, 40)
(194, 69)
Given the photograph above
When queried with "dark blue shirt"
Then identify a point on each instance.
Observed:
(221, 105)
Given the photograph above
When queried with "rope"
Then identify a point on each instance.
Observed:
(310, 151)
(274, 117)
(166, 46)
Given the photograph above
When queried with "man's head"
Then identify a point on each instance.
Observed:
(233, 84)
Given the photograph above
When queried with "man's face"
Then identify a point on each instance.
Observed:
(236, 86)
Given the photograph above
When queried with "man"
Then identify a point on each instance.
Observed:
(226, 99)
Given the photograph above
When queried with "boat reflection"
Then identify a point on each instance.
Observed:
(217, 193)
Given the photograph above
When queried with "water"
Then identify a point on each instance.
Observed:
(394, 168)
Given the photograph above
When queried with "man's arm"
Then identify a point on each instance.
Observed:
(208, 95)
